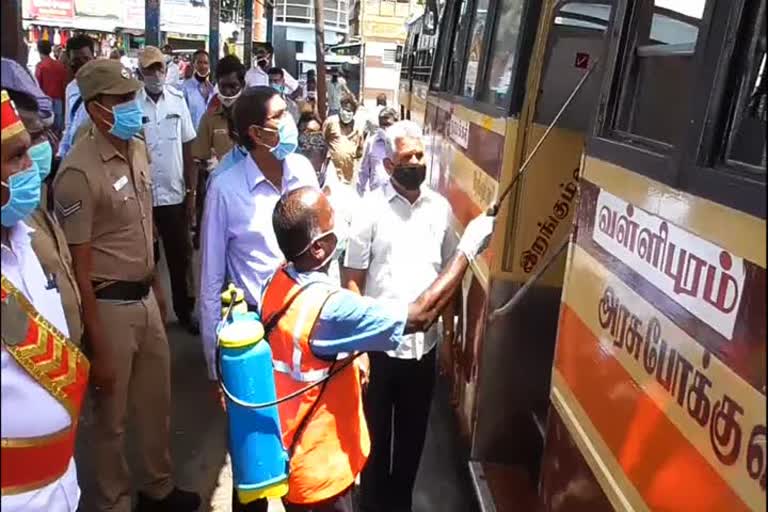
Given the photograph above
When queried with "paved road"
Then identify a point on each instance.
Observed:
(198, 437)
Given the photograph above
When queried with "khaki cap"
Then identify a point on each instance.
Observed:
(150, 55)
(105, 76)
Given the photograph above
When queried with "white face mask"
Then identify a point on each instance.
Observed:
(228, 101)
(346, 116)
(331, 254)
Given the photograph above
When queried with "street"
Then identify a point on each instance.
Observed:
(198, 440)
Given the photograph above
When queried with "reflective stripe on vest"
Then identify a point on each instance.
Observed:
(310, 376)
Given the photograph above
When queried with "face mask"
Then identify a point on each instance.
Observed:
(334, 79)
(346, 116)
(153, 84)
(262, 63)
(331, 253)
(228, 101)
(410, 176)
(42, 155)
(127, 117)
(201, 76)
(289, 138)
(24, 188)
(279, 88)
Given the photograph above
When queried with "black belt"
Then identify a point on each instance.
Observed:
(121, 290)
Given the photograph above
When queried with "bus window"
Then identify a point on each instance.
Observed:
(477, 38)
(746, 138)
(503, 52)
(660, 72)
(457, 54)
(576, 41)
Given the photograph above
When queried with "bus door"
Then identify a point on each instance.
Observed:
(522, 324)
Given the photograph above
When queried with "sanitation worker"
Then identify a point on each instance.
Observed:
(310, 322)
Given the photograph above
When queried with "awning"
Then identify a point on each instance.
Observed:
(96, 23)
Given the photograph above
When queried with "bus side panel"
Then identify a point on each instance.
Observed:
(659, 371)
(465, 172)
(567, 482)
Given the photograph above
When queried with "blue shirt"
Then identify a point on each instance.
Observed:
(238, 243)
(196, 102)
(349, 322)
(74, 120)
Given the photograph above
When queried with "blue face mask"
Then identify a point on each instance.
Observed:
(289, 138)
(127, 117)
(24, 189)
(42, 155)
(279, 88)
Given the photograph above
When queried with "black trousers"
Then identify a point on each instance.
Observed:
(171, 222)
(341, 503)
(202, 186)
(397, 404)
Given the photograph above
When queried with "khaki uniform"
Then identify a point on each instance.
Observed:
(213, 133)
(344, 149)
(105, 199)
(51, 248)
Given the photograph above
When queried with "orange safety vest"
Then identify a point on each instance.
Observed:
(55, 363)
(333, 444)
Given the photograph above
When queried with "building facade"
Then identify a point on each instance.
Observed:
(294, 31)
(380, 25)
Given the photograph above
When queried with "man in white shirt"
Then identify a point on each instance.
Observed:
(39, 420)
(172, 70)
(259, 73)
(398, 245)
(337, 91)
(169, 132)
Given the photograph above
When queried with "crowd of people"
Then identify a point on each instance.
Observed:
(102, 170)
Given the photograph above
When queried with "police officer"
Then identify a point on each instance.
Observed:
(213, 139)
(169, 133)
(39, 417)
(48, 240)
(103, 200)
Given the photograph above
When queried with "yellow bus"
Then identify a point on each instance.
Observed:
(417, 55)
(611, 346)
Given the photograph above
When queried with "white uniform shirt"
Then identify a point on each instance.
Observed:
(344, 202)
(27, 409)
(403, 247)
(173, 75)
(257, 76)
(168, 127)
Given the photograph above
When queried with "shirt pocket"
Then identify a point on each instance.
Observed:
(123, 201)
(220, 141)
(170, 127)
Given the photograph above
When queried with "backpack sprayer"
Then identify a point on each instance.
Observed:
(260, 462)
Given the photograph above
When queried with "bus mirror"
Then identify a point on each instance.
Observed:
(430, 18)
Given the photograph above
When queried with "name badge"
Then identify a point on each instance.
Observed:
(119, 184)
